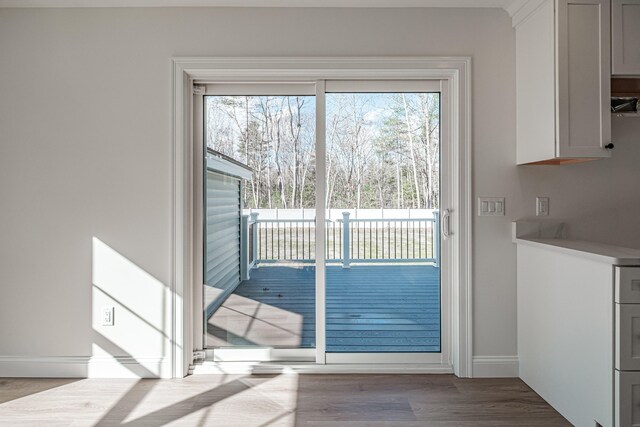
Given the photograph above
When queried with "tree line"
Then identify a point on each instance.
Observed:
(383, 150)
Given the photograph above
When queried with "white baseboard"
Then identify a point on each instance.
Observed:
(495, 366)
(129, 367)
(160, 367)
(84, 367)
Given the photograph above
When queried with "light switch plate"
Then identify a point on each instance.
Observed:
(542, 206)
(491, 206)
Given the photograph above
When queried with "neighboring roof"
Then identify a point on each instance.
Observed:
(219, 162)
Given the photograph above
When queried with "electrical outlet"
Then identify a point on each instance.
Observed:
(107, 316)
(542, 206)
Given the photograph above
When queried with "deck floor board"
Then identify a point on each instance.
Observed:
(370, 308)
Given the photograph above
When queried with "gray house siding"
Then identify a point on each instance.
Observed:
(222, 231)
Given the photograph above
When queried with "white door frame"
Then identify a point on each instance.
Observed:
(429, 361)
(456, 74)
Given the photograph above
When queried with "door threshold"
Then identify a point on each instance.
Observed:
(209, 367)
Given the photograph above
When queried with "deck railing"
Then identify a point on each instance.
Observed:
(346, 240)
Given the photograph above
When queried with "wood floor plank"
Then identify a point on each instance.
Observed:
(286, 400)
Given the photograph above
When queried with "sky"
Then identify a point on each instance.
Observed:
(376, 108)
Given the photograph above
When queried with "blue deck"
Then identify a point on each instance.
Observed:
(370, 308)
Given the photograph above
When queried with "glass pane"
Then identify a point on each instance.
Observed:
(383, 196)
(260, 228)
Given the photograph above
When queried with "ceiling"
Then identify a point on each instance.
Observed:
(511, 6)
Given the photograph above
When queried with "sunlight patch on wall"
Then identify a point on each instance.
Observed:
(138, 336)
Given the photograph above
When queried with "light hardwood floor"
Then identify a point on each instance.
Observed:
(275, 400)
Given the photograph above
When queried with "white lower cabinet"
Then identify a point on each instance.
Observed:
(565, 333)
(579, 333)
(627, 347)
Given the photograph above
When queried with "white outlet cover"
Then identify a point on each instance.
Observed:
(107, 316)
(542, 206)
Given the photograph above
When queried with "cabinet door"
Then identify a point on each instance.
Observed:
(584, 75)
(625, 18)
(627, 399)
(627, 357)
(535, 86)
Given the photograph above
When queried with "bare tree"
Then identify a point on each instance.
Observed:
(412, 151)
(382, 149)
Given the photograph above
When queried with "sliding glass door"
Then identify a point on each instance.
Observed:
(383, 290)
(336, 260)
(259, 261)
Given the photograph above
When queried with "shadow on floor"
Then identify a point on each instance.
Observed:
(369, 308)
(16, 388)
(118, 414)
(285, 399)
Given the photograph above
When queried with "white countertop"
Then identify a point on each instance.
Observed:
(609, 254)
(552, 236)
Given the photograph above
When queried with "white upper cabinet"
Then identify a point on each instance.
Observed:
(625, 19)
(563, 81)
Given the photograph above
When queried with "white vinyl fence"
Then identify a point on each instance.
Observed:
(365, 235)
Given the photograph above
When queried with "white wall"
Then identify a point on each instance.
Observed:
(599, 200)
(85, 146)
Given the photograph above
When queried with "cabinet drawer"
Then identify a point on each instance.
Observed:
(627, 399)
(628, 285)
(627, 337)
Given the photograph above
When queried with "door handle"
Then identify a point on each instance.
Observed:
(445, 224)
